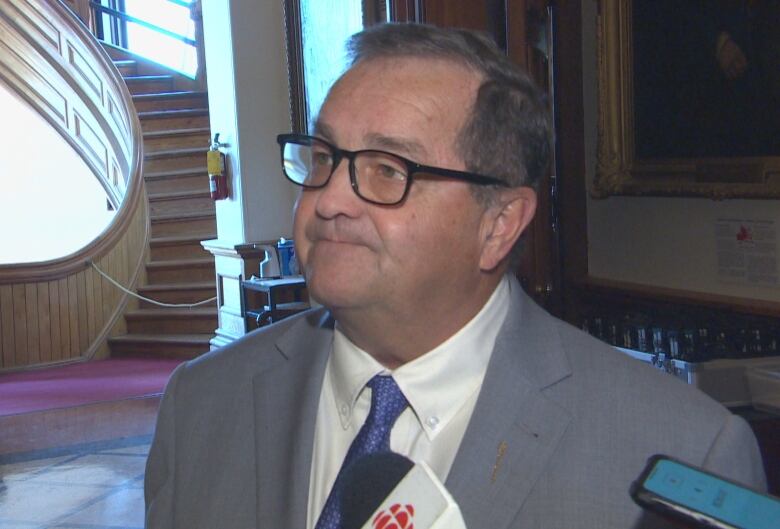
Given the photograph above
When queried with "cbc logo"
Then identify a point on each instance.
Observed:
(396, 517)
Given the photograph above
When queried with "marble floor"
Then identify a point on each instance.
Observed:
(94, 486)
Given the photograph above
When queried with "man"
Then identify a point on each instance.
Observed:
(416, 188)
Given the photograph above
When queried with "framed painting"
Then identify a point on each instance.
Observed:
(688, 98)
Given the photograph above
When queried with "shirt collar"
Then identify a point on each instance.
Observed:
(349, 370)
(438, 383)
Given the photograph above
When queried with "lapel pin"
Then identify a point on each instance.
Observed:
(499, 457)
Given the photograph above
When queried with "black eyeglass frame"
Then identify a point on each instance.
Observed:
(411, 166)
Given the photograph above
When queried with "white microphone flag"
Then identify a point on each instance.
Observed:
(419, 501)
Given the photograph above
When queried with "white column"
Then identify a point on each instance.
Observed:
(248, 106)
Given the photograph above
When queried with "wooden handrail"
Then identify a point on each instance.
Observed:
(50, 58)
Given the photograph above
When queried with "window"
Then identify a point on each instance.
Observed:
(160, 30)
(317, 31)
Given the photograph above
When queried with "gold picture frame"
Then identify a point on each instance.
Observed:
(621, 170)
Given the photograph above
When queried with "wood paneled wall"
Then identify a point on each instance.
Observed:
(70, 318)
(63, 310)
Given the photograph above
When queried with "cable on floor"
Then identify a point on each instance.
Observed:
(148, 300)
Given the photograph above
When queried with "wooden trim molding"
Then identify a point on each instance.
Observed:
(295, 73)
(405, 11)
(52, 61)
(625, 290)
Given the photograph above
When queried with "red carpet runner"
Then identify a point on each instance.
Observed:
(84, 383)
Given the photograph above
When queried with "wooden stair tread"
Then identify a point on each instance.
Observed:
(166, 287)
(179, 263)
(196, 339)
(181, 239)
(185, 112)
(172, 153)
(155, 175)
(175, 195)
(173, 217)
(145, 78)
(175, 132)
(172, 313)
(168, 95)
(125, 63)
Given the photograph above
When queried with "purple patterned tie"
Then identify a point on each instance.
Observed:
(387, 403)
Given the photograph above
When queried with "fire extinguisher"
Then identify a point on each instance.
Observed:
(215, 161)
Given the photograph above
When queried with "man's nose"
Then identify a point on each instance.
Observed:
(338, 197)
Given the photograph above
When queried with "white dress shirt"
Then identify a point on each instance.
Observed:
(441, 386)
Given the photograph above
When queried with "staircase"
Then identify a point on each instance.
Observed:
(175, 125)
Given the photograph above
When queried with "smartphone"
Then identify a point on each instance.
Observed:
(698, 498)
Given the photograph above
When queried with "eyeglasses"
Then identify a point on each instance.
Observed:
(376, 176)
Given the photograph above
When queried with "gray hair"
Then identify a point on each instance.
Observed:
(508, 133)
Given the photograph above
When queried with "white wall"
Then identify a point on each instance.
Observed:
(249, 106)
(51, 203)
(667, 242)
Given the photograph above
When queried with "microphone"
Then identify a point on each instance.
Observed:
(386, 490)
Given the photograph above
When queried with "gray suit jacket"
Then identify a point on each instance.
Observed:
(576, 421)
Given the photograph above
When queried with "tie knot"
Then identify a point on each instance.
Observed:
(387, 400)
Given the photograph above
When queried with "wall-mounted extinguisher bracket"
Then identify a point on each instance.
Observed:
(217, 169)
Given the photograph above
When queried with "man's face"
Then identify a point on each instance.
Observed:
(403, 259)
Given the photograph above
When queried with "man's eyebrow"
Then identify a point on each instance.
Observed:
(323, 129)
(402, 146)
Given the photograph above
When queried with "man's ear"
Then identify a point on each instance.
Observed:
(504, 223)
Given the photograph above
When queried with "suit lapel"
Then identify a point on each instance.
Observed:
(513, 432)
(514, 429)
(286, 396)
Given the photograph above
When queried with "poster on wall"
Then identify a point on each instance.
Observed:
(747, 251)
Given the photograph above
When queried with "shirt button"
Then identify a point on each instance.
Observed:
(344, 409)
(432, 421)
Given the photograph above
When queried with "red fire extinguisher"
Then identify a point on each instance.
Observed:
(215, 161)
